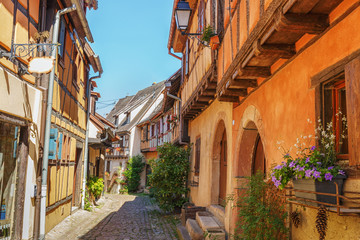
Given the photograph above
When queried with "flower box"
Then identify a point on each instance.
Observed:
(320, 187)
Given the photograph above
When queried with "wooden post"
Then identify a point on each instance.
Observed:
(21, 183)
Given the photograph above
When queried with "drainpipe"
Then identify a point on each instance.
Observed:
(175, 56)
(48, 122)
(86, 156)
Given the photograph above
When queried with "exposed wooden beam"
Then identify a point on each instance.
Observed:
(281, 50)
(228, 99)
(204, 98)
(242, 83)
(236, 92)
(301, 23)
(296, 6)
(254, 72)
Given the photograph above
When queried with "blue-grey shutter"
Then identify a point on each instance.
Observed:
(52, 143)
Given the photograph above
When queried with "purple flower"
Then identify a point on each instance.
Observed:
(277, 183)
(329, 168)
(341, 172)
(319, 163)
(312, 148)
(328, 176)
(301, 169)
(279, 167)
(287, 155)
(307, 160)
(316, 174)
(308, 173)
(274, 179)
(292, 164)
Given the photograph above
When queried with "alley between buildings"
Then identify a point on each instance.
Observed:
(118, 217)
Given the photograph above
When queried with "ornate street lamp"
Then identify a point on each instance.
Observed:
(182, 15)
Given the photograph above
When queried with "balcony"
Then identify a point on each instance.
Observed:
(117, 153)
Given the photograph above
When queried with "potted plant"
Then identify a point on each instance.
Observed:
(214, 42)
(313, 168)
(207, 34)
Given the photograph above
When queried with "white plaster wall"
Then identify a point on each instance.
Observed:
(153, 106)
(19, 98)
(93, 131)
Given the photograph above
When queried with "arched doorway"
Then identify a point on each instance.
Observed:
(258, 157)
(219, 165)
(251, 152)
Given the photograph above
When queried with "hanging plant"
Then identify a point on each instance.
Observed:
(207, 34)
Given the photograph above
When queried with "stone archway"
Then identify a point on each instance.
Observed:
(250, 152)
(219, 165)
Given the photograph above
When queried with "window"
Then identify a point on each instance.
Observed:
(219, 17)
(8, 166)
(61, 39)
(197, 156)
(75, 76)
(201, 16)
(334, 109)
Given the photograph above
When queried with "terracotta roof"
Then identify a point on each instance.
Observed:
(98, 124)
(104, 120)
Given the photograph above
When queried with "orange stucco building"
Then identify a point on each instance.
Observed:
(279, 65)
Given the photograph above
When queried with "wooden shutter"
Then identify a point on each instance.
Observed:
(352, 86)
(60, 145)
(197, 156)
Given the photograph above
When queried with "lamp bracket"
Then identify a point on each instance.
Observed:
(32, 50)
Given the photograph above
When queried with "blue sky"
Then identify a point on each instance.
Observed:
(131, 39)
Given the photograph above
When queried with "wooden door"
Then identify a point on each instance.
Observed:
(223, 170)
(76, 199)
(259, 158)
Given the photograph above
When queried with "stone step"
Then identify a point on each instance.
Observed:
(194, 230)
(218, 234)
(182, 232)
(219, 214)
(206, 221)
(218, 211)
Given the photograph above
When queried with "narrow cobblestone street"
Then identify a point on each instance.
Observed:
(118, 217)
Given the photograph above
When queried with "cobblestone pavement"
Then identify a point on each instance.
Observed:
(121, 217)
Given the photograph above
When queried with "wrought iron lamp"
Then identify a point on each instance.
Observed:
(39, 54)
(182, 17)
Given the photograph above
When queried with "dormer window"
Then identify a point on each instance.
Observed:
(116, 120)
(127, 119)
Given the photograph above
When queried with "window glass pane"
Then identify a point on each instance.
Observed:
(8, 143)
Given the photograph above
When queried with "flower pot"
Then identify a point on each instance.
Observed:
(322, 187)
(214, 42)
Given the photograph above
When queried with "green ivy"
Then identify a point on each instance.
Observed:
(169, 175)
(261, 212)
(95, 186)
(132, 173)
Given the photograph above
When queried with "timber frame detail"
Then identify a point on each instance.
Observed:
(273, 39)
(203, 95)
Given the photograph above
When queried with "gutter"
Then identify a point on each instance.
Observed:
(83, 20)
(86, 148)
(172, 54)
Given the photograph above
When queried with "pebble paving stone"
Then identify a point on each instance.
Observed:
(125, 217)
